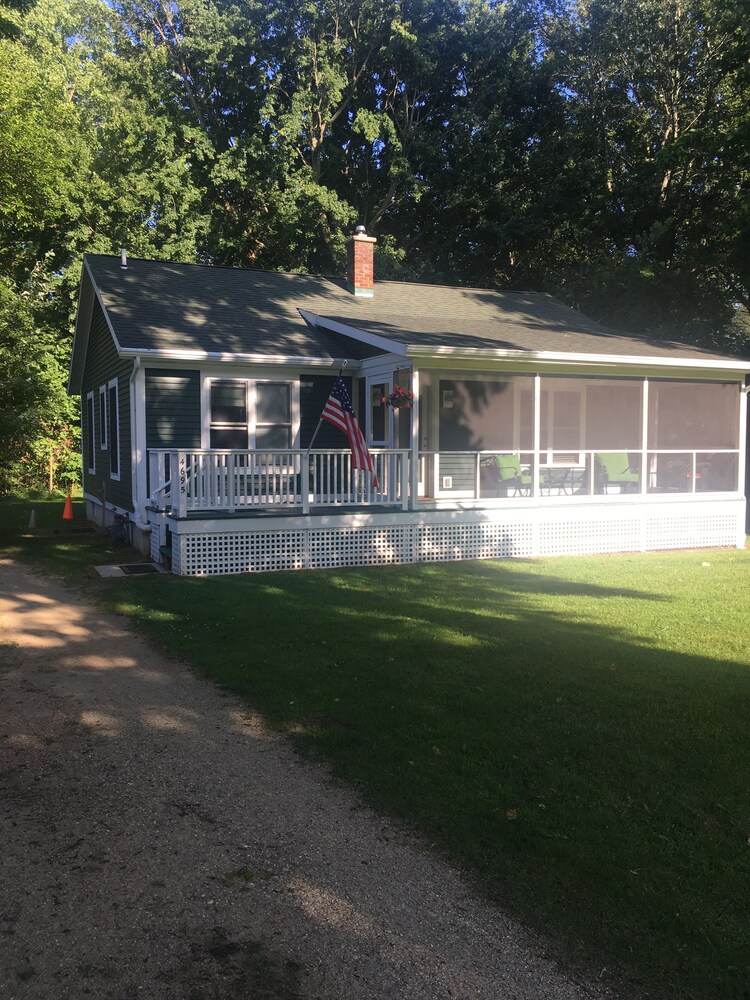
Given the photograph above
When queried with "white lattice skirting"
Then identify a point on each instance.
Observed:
(215, 548)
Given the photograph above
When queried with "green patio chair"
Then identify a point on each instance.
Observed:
(613, 469)
(511, 474)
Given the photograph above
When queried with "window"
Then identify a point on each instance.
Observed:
(103, 417)
(273, 415)
(231, 414)
(89, 433)
(113, 424)
(378, 412)
(228, 403)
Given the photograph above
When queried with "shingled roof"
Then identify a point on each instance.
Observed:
(196, 310)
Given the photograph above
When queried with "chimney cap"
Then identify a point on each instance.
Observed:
(360, 230)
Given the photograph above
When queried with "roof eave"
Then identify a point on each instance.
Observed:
(178, 354)
(559, 357)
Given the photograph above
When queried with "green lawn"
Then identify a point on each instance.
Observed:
(574, 732)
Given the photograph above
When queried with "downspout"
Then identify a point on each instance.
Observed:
(742, 459)
(415, 439)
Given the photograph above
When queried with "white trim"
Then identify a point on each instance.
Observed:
(251, 396)
(742, 458)
(103, 422)
(252, 359)
(89, 438)
(415, 436)
(536, 404)
(645, 471)
(606, 360)
(334, 326)
(114, 383)
(100, 300)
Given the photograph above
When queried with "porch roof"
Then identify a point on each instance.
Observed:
(191, 310)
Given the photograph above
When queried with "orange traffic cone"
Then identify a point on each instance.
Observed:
(68, 509)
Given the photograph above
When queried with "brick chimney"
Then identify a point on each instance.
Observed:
(359, 269)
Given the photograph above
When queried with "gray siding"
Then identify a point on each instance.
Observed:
(102, 365)
(173, 409)
(461, 468)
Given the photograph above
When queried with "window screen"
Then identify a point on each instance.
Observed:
(113, 422)
(693, 415)
(89, 433)
(273, 415)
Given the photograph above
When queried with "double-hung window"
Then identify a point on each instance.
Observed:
(103, 417)
(89, 434)
(250, 414)
(273, 415)
(113, 427)
(229, 413)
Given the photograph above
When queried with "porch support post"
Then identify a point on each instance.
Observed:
(537, 434)
(304, 481)
(231, 472)
(742, 460)
(138, 434)
(179, 472)
(415, 439)
(645, 471)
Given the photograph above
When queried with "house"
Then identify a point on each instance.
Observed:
(533, 430)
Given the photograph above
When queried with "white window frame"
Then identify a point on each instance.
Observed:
(89, 440)
(228, 425)
(114, 432)
(253, 408)
(251, 405)
(103, 422)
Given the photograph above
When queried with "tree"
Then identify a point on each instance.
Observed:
(657, 114)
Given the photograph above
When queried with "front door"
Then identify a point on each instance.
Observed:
(379, 417)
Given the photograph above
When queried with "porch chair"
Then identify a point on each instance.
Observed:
(613, 469)
(511, 474)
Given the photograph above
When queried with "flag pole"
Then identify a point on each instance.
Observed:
(320, 421)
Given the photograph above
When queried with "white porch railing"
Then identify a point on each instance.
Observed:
(214, 480)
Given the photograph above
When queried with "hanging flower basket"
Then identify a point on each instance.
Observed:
(400, 398)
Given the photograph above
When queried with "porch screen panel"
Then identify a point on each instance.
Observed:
(613, 415)
(485, 414)
(561, 419)
(693, 415)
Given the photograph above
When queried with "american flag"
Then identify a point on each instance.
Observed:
(339, 412)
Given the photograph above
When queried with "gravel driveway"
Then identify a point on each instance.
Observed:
(157, 841)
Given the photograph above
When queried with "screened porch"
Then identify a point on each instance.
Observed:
(497, 438)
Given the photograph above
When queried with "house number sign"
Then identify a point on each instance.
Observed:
(183, 474)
